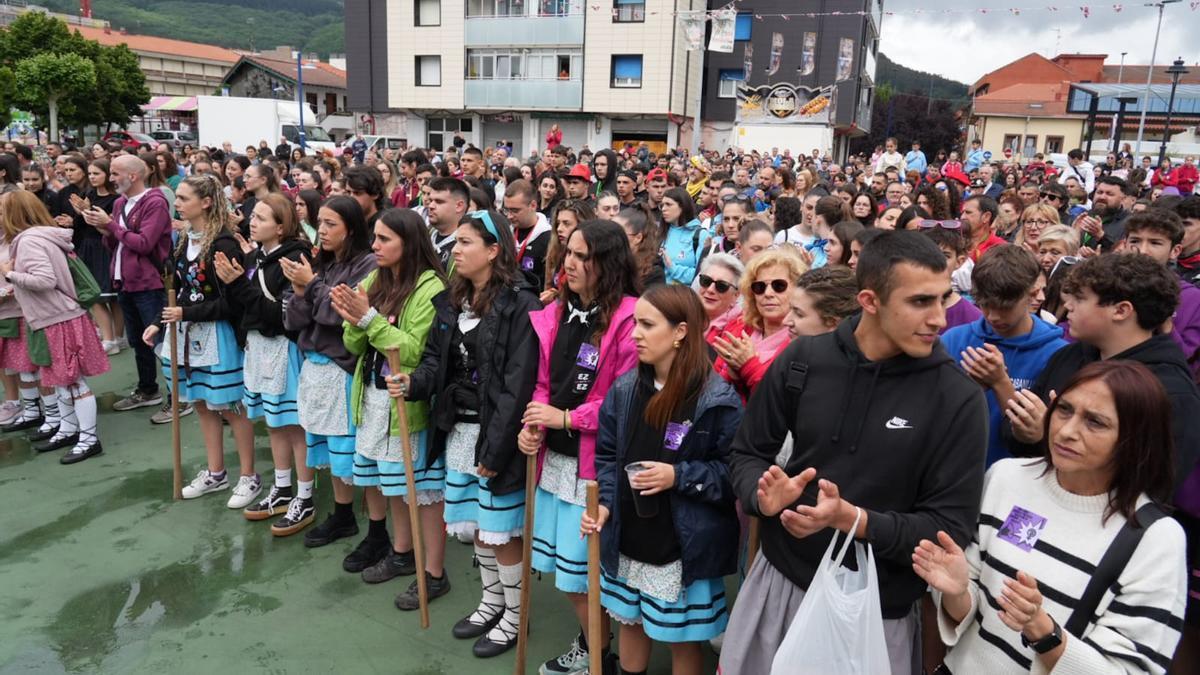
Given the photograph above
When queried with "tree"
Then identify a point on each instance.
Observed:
(910, 118)
(50, 78)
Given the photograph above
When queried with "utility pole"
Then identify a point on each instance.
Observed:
(1121, 70)
(1150, 74)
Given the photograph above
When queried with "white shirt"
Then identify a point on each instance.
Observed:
(130, 202)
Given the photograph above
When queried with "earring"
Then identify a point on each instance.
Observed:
(677, 344)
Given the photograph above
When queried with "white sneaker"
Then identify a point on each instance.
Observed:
(204, 483)
(122, 343)
(9, 411)
(245, 492)
(110, 347)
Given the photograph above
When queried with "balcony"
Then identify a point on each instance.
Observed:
(524, 31)
(541, 94)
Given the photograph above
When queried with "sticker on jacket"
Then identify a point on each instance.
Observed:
(1022, 528)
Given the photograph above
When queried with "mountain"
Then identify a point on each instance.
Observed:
(917, 82)
(314, 25)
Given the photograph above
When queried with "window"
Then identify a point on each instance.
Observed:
(1011, 141)
(629, 11)
(728, 83)
(627, 71)
(1030, 147)
(741, 28)
(441, 130)
(429, 71)
(1054, 144)
(428, 12)
(524, 64)
(495, 8)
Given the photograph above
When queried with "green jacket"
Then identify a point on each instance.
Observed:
(408, 336)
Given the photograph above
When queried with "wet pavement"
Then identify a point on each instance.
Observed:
(101, 572)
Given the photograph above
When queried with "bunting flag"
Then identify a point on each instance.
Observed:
(808, 54)
(715, 14)
(776, 53)
(721, 39)
(693, 31)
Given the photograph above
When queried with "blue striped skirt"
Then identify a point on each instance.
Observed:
(219, 385)
(392, 479)
(557, 546)
(698, 614)
(280, 410)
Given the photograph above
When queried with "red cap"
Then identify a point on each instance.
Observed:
(580, 171)
(955, 174)
(656, 174)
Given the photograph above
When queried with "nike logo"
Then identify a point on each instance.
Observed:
(898, 423)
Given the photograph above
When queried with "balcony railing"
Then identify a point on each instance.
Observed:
(524, 93)
(524, 30)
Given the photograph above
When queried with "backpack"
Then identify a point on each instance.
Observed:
(87, 290)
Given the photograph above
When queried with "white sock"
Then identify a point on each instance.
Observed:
(509, 626)
(492, 602)
(305, 489)
(68, 423)
(50, 412)
(283, 478)
(29, 402)
(85, 414)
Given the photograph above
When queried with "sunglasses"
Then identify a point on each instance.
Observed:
(722, 286)
(739, 199)
(943, 224)
(1051, 196)
(485, 218)
(777, 285)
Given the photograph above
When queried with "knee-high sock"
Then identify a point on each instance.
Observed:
(507, 629)
(85, 413)
(492, 602)
(29, 396)
(68, 423)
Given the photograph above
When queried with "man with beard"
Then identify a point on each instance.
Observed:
(448, 199)
(1104, 225)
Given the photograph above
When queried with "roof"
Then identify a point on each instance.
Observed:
(983, 79)
(1137, 74)
(158, 45)
(1033, 100)
(319, 75)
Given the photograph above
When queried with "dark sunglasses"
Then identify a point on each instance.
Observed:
(943, 224)
(738, 199)
(1051, 195)
(777, 285)
(722, 286)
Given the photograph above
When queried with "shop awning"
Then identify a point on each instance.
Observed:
(171, 104)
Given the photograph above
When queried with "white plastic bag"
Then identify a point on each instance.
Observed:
(838, 628)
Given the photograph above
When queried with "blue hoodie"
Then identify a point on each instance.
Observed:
(1024, 356)
(685, 249)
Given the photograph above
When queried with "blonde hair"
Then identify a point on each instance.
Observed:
(20, 211)
(1034, 211)
(786, 257)
(1063, 235)
(207, 186)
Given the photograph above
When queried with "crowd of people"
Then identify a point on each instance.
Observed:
(985, 371)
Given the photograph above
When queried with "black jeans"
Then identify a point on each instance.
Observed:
(142, 309)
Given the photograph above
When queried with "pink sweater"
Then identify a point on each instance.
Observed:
(41, 279)
(9, 309)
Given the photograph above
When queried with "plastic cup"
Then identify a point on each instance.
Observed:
(646, 507)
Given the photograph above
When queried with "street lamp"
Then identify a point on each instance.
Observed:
(300, 68)
(1175, 71)
(1150, 72)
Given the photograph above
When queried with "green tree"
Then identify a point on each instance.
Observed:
(119, 93)
(50, 78)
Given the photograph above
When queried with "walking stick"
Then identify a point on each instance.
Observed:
(414, 518)
(593, 597)
(176, 441)
(526, 563)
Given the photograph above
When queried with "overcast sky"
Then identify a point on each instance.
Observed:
(965, 46)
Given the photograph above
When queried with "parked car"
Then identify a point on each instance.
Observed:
(132, 140)
(175, 139)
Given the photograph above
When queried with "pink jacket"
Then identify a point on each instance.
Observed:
(617, 356)
(9, 309)
(41, 279)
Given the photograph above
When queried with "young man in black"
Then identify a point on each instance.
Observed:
(886, 429)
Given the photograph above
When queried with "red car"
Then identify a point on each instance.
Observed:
(132, 140)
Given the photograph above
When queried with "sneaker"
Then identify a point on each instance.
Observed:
(9, 410)
(393, 565)
(300, 515)
(122, 343)
(330, 531)
(244, 492)
(110, 347)
(137, 400)
(409, 600)
(574, 661)
(163, 416)
(368, 552)
(204, 483)
(275, 503)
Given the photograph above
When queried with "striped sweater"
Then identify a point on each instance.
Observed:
(1029, 522)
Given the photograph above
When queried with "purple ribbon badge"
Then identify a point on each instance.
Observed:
(673, 438)
(1022, 528)
(527, 264)
(589, 356)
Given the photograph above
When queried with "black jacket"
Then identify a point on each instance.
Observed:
(904, 439)
(198, 289)
(507, 364)
(255, 309)
(1165, 359)
(702, 500)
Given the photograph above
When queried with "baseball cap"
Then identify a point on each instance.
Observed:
(656, 174)
(579, 172)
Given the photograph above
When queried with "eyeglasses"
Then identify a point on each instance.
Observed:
(777, 285)
(485, 218)
(1038, 223)
(942, 224)
(1051, 196)
(722, 286)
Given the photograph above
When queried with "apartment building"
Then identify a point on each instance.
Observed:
(608, 72)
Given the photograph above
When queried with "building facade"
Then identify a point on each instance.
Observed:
(507, 70)
(171, 67)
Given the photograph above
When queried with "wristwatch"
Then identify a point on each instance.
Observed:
(1047, 643)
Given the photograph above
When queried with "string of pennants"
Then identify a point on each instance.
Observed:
(1085, 10)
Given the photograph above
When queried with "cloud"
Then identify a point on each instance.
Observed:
(964, 47)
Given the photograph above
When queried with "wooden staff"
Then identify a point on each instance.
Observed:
(526, 563)
(176, 440)
(752, 543)
(414, 518)
(593, 598)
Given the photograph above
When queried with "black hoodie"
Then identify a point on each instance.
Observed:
(256, 310)
(904, 439)
(1165, 359)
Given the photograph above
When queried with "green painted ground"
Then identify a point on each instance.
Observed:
(101, 572)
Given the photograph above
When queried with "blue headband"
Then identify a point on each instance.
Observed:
(486, 219)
